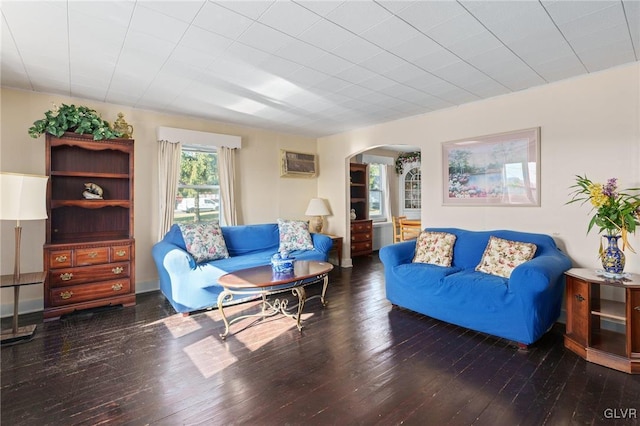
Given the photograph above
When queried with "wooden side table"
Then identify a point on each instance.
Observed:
(337, 246)
(591, 320)
(16, 333)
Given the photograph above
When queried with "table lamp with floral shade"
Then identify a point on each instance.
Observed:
(616, 214)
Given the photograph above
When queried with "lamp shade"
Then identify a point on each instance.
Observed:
(317, 207)
(23, 197)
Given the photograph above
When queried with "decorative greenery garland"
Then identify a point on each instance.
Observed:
(406, 157)
(69, 118)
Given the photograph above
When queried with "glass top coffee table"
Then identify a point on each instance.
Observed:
(263, 281)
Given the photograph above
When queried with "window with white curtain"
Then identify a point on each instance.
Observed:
(198, 198)
(377, 191)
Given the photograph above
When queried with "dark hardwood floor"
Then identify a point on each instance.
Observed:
(359, 361)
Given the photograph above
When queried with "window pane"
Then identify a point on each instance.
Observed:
(375, 203)
(377, 186)
(198, 198)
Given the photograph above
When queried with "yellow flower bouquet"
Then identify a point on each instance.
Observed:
(614, 212)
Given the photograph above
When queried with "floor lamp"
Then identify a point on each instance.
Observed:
(317, 208)
(22, 197)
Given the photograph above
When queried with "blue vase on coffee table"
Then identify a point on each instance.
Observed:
(612, 257)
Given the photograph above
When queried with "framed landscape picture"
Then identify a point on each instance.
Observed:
(298, 164)
(496, 170)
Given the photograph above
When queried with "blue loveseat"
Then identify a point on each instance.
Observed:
(520, 308)
(190, 287)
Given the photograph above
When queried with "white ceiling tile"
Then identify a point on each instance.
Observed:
(472, 46)
(183, 10)
(389, 33)
(354, 91)
(288, 17)
(330, 64)
(511, 20)
(395, 6)
(399, 91)
(416, 47)
(404, 72)
(542, 47)
(436, 60)
(358, 16)
(356, 50)
(221, 20)
(502, 65)
(300, 52)
(247, 54)
(602, 57)
(560, 68)
(321, 7)
(460, 27)
(87, 37)
(377, 82)
(326, 35)
(425, 15)
(117, 13)
(307, 77)
(203, 41)
(249, 8)
(278, 66)
(382, 62)
(563, 12)
(158, 25)
(606, 20)
(355, 74)
(424, 82)
(332, 84)
(265, 38)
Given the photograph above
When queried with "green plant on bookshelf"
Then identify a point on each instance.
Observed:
(71, 118)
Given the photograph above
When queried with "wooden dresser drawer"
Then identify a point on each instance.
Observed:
(360, 237)
(364, 226)
(60, 259)
(74, 276)
(92, 256)
(120, 253)
(361, 247)
(87, 292)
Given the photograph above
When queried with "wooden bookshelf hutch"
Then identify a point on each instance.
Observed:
(89, 253)
(362, 226)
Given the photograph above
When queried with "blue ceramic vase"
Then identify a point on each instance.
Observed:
(613, 258)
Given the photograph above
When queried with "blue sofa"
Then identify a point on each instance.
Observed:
(190, 287)
(520, 308)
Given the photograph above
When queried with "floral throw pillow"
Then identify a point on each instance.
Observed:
(435, 248)
(204, 241)
(294, 235)
(501, 257)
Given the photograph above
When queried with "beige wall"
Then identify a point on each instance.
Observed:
(264, 195)
(588, 125)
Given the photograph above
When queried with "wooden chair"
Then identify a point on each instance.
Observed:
(397, 233)
(409, 229)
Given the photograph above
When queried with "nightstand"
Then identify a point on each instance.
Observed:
(591, 319)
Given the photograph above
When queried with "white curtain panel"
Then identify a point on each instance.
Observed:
(227, 171)
(169, 154)
(387, 189)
